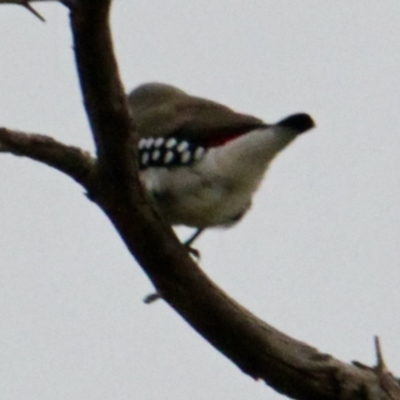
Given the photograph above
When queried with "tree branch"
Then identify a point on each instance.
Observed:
(70, 160)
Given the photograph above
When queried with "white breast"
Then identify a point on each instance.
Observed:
(216, 190)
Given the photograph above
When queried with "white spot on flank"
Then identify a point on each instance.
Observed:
(142, 143)
(145, 158)
(185, 157)
(171, 143)
(149, 142)
(155, 155)
(169, 156)
(159, 142)
(182, 146)
(199, 153)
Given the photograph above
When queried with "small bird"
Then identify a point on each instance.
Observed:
(200, 161)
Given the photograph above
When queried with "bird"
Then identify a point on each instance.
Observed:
(200, 161)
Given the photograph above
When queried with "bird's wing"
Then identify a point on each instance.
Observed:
(201, 121)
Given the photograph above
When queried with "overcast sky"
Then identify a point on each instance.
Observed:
(318, 255)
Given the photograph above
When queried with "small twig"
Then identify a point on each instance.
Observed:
(380, 365)
(387, 381)
(27, 5)
(151, 298)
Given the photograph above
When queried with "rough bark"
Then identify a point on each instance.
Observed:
(111, 180)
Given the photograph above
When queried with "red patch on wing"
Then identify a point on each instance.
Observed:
(221, 140)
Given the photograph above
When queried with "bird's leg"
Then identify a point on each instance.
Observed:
(188, 243)
(152, 297)
(192, 238)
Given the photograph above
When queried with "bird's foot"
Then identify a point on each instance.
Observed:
(193, 252)
(188, 244)
(152, 297)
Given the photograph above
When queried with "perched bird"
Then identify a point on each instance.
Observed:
(200, 161)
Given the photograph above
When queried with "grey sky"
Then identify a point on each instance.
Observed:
(318, 255)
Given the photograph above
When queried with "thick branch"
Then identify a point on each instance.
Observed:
(103, 92)
(73, 161)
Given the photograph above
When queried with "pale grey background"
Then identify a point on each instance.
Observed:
(318, 256)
